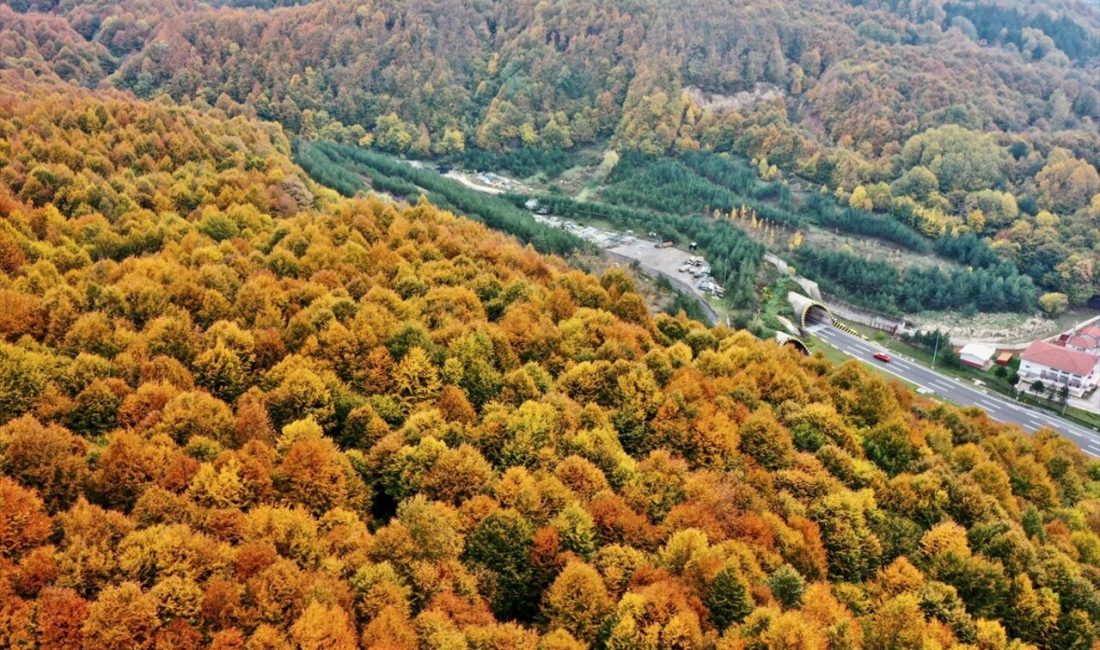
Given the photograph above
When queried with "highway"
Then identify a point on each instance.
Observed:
(956, 391)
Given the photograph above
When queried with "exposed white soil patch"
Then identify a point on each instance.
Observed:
(992, 328)
(719, 103)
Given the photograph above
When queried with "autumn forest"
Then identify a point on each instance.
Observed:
(242, 410)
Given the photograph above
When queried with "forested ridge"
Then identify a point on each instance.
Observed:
(947, 116)
(240, 411)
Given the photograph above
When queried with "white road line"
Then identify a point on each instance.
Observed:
(902, 377)
(960, 392)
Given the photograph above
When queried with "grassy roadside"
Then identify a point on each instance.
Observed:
(835, 356)
(774, 303)
(1074, 414)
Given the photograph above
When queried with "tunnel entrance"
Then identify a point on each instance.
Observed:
(788, 340)
(798, 345)
(809, 312)
(815, 314)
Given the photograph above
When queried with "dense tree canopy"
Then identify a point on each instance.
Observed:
(237, 410)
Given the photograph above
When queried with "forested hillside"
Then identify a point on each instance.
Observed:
(238, 411)
(971, 115)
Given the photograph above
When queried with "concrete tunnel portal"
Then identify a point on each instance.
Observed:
(788, 340)
(809, 311)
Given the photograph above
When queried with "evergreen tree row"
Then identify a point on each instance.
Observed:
(824, 211)
(522, 163)
(880, 286)
(671, 185)
(343, 167)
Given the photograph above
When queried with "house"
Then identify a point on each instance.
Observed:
(1085, 339)
(1004, 358)
(1084, 343)
(1050, 363)
(977, 355)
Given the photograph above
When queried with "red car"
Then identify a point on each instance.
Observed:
(882, 356)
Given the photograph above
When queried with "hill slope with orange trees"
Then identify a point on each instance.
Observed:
(950, 115)
(237, 411)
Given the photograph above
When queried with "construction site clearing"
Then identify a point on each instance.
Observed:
(660, 256)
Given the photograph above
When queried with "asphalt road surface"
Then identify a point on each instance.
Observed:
(959, 392)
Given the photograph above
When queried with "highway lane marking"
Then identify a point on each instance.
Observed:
(993, 405)
(1041, 419)
(900, 376)
(884, 368)
(955, 390)
(1079, 430)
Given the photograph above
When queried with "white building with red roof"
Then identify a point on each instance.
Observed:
(1050, 363)
(978, 355)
